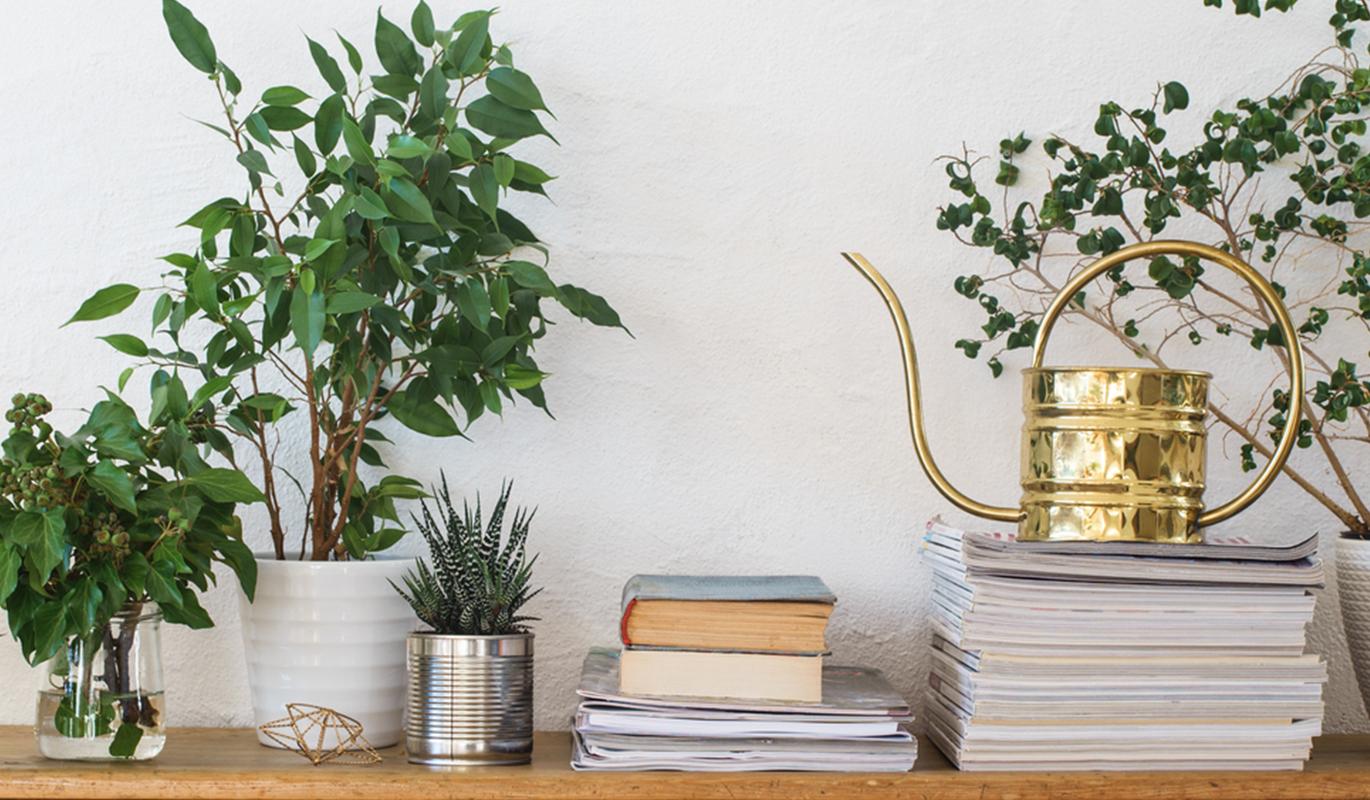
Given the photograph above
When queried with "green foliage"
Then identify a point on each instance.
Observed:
(389, 282)
(110, 515)
(1276, 179)
(476, 578)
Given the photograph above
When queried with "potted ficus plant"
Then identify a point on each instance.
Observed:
(105, 533)
(383, 284)
(1279, 179)
(471, 667)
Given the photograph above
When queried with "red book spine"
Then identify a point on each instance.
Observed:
(623, 623)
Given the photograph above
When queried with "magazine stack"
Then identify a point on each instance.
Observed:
(1122, 656)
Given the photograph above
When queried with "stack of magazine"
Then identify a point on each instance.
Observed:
(856, 727)
(1085, 656)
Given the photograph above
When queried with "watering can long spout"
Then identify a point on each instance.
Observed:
(920, 437)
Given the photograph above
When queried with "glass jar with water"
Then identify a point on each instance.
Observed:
(104, 695)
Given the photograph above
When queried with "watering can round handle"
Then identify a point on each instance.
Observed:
(1267, 294)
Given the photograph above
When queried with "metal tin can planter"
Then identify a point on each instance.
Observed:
(470, 699)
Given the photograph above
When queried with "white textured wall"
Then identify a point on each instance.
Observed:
(717, 156)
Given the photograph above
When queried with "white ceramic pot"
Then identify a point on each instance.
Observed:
(330, 634)
(1353, 591)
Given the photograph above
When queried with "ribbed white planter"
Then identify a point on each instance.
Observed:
(331, 634)
(1353, 590)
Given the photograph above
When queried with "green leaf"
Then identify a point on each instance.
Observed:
(126, 343)
(474, 302)
(207, 390)
(357, 146)
(284, 118)
(284, 96)
(114, 483)
(307, 319)
(465, 51)
(105, 303)
(204, 289)
(427, 418)
(421, 22)
(125, 741)
(369, 204)
(304, 157)
(49, 550)
(328, 123)
(237, 556)
(350, 302)
(354, 59)
(254, 161)
(1176, 97)
(504, 169)
(161, 585)
(497, 118)
(433, 93)
(588, 306)
(328, 68)
(396, 52)
(405, 146)
(484, 187)
(10, 561)
(498, 349)
(317, 247)
(531, 276)
(50, 628)
(407, 202)
(519, 377)
(514, 88)
(225, 486)
(189, 36)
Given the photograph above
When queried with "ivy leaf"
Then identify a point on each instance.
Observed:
(105, 303)
(125, 742)
(10, 561)
(328, 68)
(161, 585)
(50, 629)
(497, 118)
(190, 37)
(114, 483)
(225, 486)
(1176, 97)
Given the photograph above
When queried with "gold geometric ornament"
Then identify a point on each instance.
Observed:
(321, 735)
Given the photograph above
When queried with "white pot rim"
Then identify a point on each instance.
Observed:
(267, 556)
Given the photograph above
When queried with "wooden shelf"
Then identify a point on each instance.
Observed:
(223, 763)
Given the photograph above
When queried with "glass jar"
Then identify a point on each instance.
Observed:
(104, 695)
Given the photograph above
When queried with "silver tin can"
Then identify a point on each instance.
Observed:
(470, 699)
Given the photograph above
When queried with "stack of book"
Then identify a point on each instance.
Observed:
(726, 674)
(1081, 655)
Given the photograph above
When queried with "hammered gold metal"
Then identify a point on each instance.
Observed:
(1113, 454)
(1109, 454)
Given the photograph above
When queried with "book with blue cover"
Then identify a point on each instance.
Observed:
(764, 614)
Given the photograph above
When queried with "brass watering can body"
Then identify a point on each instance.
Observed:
(1110, 453)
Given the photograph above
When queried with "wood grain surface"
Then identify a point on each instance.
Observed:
(227, 763)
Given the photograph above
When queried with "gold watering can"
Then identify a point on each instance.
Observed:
(1110, 453)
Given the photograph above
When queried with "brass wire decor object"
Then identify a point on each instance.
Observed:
(1110, 453)
(321, 735)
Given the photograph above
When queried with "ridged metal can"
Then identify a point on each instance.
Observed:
(470, 699)
(1113, 454)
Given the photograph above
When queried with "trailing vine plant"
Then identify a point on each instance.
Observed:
(388, 281)
(1280, 179)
